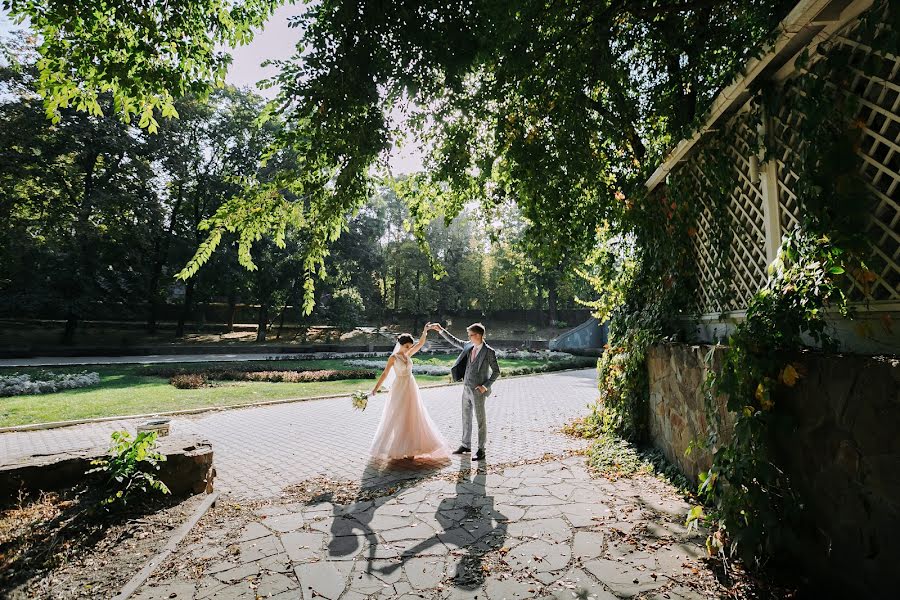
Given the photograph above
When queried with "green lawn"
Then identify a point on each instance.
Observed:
(124, 394)
(132, 390)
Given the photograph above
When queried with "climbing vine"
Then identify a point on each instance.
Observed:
(752, 498)
(645, 269)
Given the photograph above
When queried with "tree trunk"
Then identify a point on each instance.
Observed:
(71, 323)
(551, 302)
(185, 307)
(263, 321)
(232, 312)
(418, 293)
(161, 256)
(155, 276)
(539, 305)
(82, 270)
(397, 289)
(281, 322)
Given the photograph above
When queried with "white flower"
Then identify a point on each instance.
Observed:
(417, 369)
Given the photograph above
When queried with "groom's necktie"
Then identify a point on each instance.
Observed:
(474, 354)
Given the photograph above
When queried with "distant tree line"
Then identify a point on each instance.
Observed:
(96, 211)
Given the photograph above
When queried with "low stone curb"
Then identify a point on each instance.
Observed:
(195, 411)
(138, 580)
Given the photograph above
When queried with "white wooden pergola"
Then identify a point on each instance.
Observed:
(762, 206)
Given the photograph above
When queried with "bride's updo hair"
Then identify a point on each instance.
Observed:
(405, 338)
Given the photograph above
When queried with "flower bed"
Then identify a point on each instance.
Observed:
(45, 383)
(198, 379)
(417, 369)
(529, 355)
(554, 364)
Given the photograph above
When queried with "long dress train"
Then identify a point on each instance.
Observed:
(406, 429)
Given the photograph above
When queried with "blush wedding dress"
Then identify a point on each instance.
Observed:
(406, 430)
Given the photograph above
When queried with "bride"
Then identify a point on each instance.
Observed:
(406, 430)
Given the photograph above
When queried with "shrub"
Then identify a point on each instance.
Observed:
(294, 376)
(129, 467)
(197, 379)
(188, 381)
(345, 308)
(45, 383)
(418, 369)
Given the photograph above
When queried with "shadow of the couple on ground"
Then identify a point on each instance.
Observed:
(468, 519)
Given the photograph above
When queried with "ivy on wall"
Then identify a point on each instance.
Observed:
(646, 271)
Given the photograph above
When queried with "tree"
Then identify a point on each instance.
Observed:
(141, 53)
(552, 104)
(74, 193)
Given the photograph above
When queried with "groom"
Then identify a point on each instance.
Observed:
(477, 368)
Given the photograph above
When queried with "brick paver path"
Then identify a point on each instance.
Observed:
(260, 450)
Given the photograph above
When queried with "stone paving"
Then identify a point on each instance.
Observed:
(304, 514)
(542, 530)
(260, 450)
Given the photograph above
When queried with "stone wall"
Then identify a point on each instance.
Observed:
(842, 452)
(188, 469)
(590, 335)
(678, 413)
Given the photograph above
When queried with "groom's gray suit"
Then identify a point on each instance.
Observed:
(484, 371)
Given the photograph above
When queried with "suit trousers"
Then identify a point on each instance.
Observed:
(473, 399)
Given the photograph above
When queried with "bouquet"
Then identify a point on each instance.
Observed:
(360, 399)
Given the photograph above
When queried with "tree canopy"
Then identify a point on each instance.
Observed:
(554, 105)
(144, 53)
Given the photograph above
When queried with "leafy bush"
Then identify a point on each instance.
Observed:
(557, 365)
(45, 383)
(129, 467)
(188, 381)
(345, 308)
(613, 457)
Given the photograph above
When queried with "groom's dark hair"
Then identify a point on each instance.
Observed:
(476, 328)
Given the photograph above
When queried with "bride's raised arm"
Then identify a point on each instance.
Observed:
(384, 374)
(424, 338)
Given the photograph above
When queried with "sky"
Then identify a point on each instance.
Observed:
(277, 41)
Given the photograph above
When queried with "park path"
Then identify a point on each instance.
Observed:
(530, 523)
(260, 450)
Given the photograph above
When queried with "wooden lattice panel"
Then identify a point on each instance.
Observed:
(785, 148)
(876, 88)
(706, 258)
(746, 253)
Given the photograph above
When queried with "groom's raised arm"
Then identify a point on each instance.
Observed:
(452, 338)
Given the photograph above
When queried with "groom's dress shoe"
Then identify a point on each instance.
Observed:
(462, 450)
(479, 455)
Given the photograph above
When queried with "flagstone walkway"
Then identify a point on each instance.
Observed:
(543, 530)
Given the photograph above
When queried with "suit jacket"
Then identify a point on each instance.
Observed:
(484, 371)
